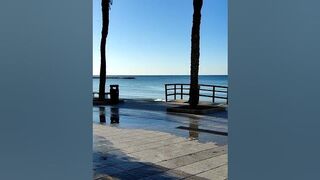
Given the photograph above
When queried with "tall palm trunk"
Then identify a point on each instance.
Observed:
(195, 53)
(105, 28)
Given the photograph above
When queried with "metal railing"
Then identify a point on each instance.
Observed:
(96, 95)
(210, 91)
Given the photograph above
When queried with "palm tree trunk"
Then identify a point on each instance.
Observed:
(195, 53)
(105, 28)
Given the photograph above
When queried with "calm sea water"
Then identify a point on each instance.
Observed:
(152, 87)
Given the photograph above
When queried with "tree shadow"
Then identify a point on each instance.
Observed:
(109, 162)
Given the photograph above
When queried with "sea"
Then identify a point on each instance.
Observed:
(153, 87)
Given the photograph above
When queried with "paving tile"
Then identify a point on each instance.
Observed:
(156, 144)
(172, 151)
(129, 165)
(192, 158)
(197, 178)
(123, 176)
(205, 165)
(146, 171)
(142, 154)
(107, 170)
(211, 175)
(138, 142)
(170, 174)
(220, 171)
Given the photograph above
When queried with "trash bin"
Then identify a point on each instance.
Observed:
(114, 94)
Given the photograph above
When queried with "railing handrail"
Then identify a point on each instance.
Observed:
(207, 85)
(181, 87)
(176, 84)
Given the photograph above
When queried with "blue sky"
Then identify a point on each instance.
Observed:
(153, 37)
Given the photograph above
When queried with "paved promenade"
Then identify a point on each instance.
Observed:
(120, 153)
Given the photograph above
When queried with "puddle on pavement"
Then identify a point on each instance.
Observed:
(199, 128)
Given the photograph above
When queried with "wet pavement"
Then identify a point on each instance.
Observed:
(134, 114)
(140, 140)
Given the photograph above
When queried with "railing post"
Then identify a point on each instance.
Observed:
(181, 91)
(227, 95)
(175, 92)
(213, 93)
(166, 90)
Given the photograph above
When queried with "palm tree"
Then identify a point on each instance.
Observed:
(195, 53)
(105, 28)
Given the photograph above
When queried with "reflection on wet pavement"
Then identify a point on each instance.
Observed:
(153, 116)
(193, 124)
(114, 117)
(102, 114)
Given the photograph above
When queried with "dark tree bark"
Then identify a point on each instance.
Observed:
(105, 4)
(195, 53)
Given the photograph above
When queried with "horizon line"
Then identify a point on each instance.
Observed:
(162, 75)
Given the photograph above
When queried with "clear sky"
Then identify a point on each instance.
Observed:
(153, 37)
